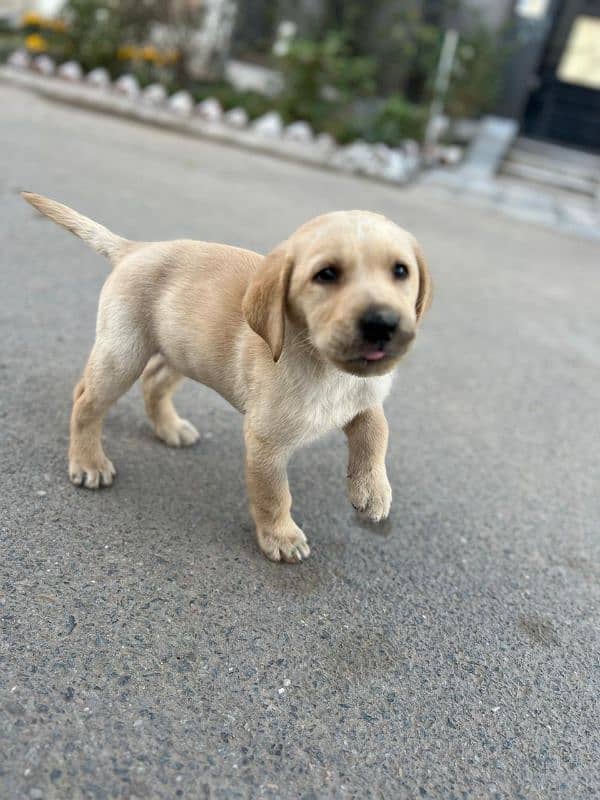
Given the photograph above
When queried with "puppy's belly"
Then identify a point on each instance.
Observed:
(203, 369)
(203, 352)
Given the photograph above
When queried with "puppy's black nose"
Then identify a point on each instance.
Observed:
(378, 324)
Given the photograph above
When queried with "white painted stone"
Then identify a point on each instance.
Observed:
(99, 78)
(237, 117)
(181, 103)
(381, 151)
(210, 109)
(385, 162)
(71, 71)
(20, 59)
(356, 157)
(325, 144)
(451, 155)
(270, 125)
(44, 65)
(155, 94)
(299, 131)
(412, 152)
(377, 160)
(128, 85)
(396, 167)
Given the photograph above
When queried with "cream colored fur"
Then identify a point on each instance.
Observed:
(280, 346)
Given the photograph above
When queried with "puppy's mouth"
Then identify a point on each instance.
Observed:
(374, 354)
(359, 357)
(369, 360)
(371, 356)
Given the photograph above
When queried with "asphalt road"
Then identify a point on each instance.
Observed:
(148, 649)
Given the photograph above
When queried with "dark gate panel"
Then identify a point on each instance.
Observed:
(559, 110)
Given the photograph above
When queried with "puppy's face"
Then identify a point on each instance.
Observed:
(355, 281)
(355, 285)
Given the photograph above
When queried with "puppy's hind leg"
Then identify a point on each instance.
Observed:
(159, 382)
(110, 371)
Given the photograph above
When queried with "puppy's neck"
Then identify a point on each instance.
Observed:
(298, 349)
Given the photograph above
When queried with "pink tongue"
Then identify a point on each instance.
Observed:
(376, 355)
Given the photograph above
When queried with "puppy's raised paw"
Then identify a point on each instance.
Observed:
(93, 475)
(288, 544)
(371, 495)
(179, 433)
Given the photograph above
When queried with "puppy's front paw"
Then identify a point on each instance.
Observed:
(178, 433)
(93, 474)
(287, 544)
(371, 494)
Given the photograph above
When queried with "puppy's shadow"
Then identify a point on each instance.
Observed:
(383, 529)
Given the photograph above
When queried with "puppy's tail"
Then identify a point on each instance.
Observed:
(97, 236)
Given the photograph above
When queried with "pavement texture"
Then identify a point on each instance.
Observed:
(149, 650)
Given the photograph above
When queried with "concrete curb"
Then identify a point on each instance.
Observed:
(569, 218)
(110, 101)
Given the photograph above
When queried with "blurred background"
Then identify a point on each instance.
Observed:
(385, 71)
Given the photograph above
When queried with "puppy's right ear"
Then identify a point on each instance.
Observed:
(265, 299)
(425, 283)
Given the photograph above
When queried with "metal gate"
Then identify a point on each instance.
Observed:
(565, 105)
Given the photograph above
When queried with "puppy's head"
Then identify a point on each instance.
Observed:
(354, 281)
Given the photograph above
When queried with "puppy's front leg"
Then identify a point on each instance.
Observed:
(270, 500)
(368, 487)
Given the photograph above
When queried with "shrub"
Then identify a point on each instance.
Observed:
(95, 33)
(321, 78)
(254, 103)
(114, 34)
(398, 119)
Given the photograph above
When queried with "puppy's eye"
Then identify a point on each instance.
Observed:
(400, 271)
(327, 275)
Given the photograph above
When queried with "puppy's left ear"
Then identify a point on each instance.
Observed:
(265, 299)
(425, 295)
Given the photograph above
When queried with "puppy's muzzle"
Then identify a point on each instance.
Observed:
(378, 326)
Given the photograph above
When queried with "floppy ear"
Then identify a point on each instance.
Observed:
(425, 295)
(265, 299)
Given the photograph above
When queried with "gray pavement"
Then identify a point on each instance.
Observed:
(148, 650)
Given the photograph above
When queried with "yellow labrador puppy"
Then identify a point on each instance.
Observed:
(301, 341)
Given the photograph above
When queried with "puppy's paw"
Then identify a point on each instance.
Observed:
(179, 433)
(288, 544)
(371, 495)
(92, 475)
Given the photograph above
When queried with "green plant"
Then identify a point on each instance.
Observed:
(403, 38)
(398, 119)
(95, 33)
(254, 103)
(403, 42)
(321, 78)
(115, 33)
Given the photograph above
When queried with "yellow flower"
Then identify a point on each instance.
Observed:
(150, 53)
(36, 43)
(126, 52)
(131, 52)
(168, 57)
(57, 25)
(31, 18)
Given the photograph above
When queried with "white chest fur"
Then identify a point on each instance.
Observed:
(305, 405)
